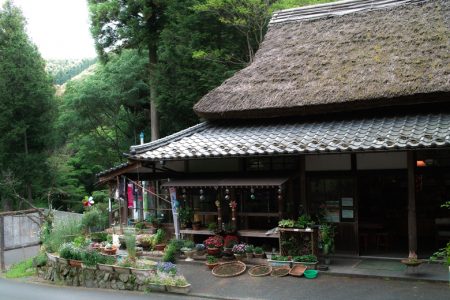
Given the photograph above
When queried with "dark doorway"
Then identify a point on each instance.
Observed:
(383, 213)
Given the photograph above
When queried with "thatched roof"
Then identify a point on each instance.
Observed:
(337, 59)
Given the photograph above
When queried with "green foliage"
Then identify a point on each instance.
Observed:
(303, 221)
(26, 113)
(249, 249)
(305, 258)
(92, 257)
(169, 254)
(21, 269)
(258, 250)
(40, 259)
(186, 214)
(63, 70)
(177, 243)
(285, 4)
(62, 231)
(286, 223)
(211, 259)
(93, 218)
(189, 244)
(130, 241)
(159, 236)
(280, 258)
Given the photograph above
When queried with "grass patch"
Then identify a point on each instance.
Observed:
(22, 269)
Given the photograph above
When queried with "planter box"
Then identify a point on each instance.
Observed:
(84, 267)
(143, 272)
(156, 287)
(279, 263)
(308, 265)
(106, 268)
(179, 289)
(122, 270)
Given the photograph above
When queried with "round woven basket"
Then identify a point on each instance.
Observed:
(229, 269)
(260, 270)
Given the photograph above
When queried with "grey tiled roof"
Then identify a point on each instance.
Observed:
(259, 138)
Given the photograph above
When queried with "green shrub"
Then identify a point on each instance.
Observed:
(258, 250)
(40, 259)
(130, 241)
(305, 258)
(92, 257)
(69, 251)
(169, 254)
(211, 259)
(189, 244)
(94, 220)
(177, 243)
(100, 236)
(62, 232)
(159, 236)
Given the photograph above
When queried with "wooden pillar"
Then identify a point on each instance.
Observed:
(2, 244)
(111, 197)
(412, 223)
(303, 201)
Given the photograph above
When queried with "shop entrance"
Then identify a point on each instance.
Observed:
(383, 213)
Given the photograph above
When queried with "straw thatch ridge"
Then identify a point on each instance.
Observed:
(374, 58)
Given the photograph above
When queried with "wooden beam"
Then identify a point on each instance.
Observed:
(303, 185)
(113, 174)
(412, 223)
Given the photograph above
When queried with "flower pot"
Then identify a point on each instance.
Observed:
(258, 255)
(109, 251)
(211, 266)
(239, 256)
(160, 247)
(308, 265)
(249, 255)
(213, 251)
(75, 263)
(279, 263)
(179, 289)
(189, 254)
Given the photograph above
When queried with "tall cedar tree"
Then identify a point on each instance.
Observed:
(132, 24)
(26, 96)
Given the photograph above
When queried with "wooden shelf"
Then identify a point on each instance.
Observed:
(199, 232)
(258, 233)
(295, 230)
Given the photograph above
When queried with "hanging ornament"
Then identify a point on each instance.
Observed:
(88, 201)
(201, 191)
(217, 203)
(279, 191)
(252, 194)
(233, 204)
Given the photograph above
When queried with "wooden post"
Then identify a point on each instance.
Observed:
(303, 185)
(412, 223)
(2, 244)
(110, 211)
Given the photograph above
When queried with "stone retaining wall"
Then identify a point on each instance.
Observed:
(72, 276)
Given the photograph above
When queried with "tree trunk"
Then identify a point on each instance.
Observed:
(154, 120)
(28, 184)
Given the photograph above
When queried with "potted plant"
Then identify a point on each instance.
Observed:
(109, 249)
(249, 251)
(239, 251)
(155, 283)
(90, 258)
(185, 214)
(309, 260)
(211, 262)
(188, 250)
(229, 242)
(212, 227)
(213, 244)
(326, 233)
(258, 252)
(286, 223)
(279, 261)
(179, 285)
(144, 267)
(201, 249)
(159, 239)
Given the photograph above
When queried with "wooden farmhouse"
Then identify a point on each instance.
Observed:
(344, 115)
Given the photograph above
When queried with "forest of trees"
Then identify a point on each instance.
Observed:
(62, 70)
(155, 62)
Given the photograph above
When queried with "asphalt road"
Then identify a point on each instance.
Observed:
(16, 290)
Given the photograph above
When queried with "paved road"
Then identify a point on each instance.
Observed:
(324, 287)
(15, 290)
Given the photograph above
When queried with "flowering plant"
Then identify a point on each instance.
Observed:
(215, 241)
(239, 249)
(167, 267)
(230, 241)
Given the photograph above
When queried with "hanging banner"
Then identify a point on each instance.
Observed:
(174, 202)
(130, 195)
